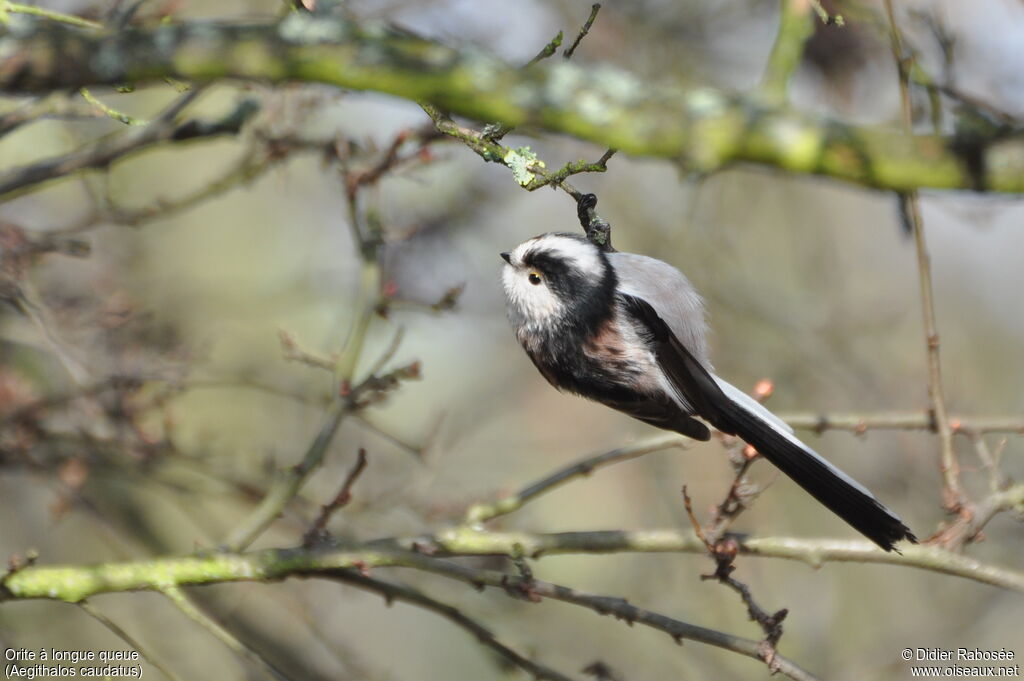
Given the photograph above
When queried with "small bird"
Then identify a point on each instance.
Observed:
(629, 331)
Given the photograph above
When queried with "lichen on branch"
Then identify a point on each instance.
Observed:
(704, 129)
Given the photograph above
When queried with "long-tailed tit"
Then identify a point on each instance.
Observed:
(629, 331)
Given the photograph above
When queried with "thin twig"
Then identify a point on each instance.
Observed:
(245, 170)
(366, 305)
(108, 111)
(32, 305)
(518, 586)
(482, 512)
(594, 9)
(178, 597)
(340, 500)
(389, 351)
(860, 423)
(996, 478)
(416, 451)
(349, 399)
(290, 481)
(161, 130)
(723, 551)
(954, 498)
(93, 612)
(483, 635)
(698, 529)
(57, 106)
(59, 17)
(973, 517)
(292, 350)
(547, 51)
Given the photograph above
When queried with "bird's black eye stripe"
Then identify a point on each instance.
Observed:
(547, 264)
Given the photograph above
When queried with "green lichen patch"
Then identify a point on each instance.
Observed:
(522, 162)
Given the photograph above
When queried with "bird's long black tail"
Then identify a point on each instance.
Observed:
(839, 492)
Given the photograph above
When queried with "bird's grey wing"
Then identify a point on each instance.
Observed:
(671, 295)
(834, 489)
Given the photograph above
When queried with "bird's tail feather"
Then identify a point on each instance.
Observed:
(843, 495)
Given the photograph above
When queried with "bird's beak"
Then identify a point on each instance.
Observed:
(507, 257)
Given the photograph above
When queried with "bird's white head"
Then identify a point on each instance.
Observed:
(549, 277)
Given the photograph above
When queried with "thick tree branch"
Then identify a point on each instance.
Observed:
(703, 128)
(72, 584)
(814, 552)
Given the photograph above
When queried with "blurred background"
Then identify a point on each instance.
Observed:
(809, 282)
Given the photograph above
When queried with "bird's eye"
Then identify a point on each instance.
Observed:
(534, 278)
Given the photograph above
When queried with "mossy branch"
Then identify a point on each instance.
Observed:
(814, 552)
(72, 583)
(167, 575)
(705, 129)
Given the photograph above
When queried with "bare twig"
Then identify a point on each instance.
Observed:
(594, 9)
(93, 612)
(109, 111)
(723, 551)
(483, 635)
(60, 17)
(290, 481)
(954, 498)
(771, 624)
(975, 515)
(163, 129)
(350, 399)
(389, 351)
(698, 529)
(903, 420)
(185, 604)
(293, 350)
(546, 51)
(416, 451)
(245, 170)
(482, 512)
(340, 500)
(996, 478)
(57, 105)
(606, 605)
